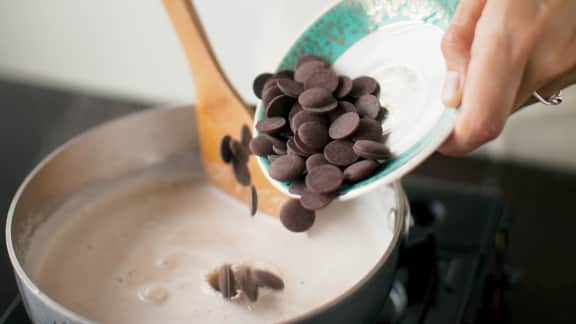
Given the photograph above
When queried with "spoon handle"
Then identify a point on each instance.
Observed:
(206, 71)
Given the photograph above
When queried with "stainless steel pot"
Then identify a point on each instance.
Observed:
(135, 144)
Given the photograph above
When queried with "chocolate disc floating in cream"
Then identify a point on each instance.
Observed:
(247, 283)
(267, 279)
(230, 280)
(226, 282)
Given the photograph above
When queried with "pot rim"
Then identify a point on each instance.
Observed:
(400, 210)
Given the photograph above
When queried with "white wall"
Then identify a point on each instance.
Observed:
(128, 48)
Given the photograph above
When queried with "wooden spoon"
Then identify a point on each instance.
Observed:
(219, 111)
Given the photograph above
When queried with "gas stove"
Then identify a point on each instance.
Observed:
(452, 267)
(452, 264)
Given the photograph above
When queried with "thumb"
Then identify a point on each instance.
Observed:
(456, 44)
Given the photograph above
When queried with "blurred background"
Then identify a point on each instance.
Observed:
(66, 65)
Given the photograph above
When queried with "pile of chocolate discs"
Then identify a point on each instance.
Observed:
(320, 131)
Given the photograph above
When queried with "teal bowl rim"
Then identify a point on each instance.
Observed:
(360, 18)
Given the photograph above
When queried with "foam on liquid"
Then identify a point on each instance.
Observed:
(141, 256)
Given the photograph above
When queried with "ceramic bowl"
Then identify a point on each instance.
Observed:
(397, 43)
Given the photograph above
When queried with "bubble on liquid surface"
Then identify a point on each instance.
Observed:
(153, 294)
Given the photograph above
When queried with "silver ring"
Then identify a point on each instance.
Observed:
(553, 100)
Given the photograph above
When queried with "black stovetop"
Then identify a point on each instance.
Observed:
(452, 255)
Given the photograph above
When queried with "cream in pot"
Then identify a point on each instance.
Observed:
(137, 252)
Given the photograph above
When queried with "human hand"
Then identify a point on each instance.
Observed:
(498, 52)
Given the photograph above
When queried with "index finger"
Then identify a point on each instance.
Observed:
(494, 76)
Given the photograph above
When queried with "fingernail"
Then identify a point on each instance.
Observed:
(451, 90)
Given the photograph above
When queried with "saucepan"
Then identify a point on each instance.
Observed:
(146, 142)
